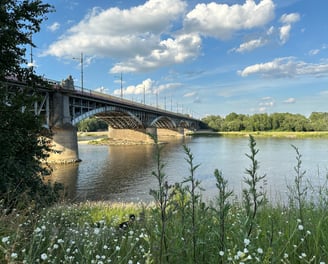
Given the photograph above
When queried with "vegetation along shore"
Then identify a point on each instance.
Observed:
(37, 225)
(178, 226)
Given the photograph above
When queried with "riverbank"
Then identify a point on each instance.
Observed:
(101, 138)
(91, 233)
(257, 134)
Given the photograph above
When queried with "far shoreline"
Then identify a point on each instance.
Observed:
(263, 134)
(101, 137)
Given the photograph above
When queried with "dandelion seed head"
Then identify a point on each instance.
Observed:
(44, 256)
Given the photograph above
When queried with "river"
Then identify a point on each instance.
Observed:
(124, 173)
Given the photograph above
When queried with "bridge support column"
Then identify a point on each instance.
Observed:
(64, 138)
(140, 135)
(165, 132)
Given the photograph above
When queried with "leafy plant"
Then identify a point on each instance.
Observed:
(161, 197)
(254, 196)
(23, 144)
(223, 208)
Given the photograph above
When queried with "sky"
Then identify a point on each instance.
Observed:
(198, 57)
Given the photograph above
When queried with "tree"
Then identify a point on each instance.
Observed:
(22, 146)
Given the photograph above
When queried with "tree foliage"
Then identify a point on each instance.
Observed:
(22, 144)
(91, 125)
(317, 121)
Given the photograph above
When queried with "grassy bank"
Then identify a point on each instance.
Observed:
(257, 134)
(178, 227)
(89, 233)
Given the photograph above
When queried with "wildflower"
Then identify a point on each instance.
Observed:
(285, 255)
(60, 241)
(117, 248)
(56, 246)
(130, 262)
(44, 256)
(5, 240)
(37, 230)
(246, 241)
(300, 227)
(260, 250)
(221, 253)
(13, 255)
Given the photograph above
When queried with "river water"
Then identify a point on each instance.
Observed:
(124, 173)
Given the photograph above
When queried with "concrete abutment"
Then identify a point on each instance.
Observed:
(140, 135)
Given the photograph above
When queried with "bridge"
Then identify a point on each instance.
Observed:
(63, 105)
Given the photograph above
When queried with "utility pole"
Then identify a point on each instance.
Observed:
(81, 63)
(121, 85)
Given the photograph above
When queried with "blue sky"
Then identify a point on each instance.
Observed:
(194, 56)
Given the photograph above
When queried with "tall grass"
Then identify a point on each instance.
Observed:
(178, 227)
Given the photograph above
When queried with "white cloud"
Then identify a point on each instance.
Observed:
(134, 36)
(145, 87)
(287, 20)
(314, 52)
(290, 18)
(222, 20)
(191, 94)
(54, 27)
(286, 67)
(267, 102)
(169, 51)
(290, 101)
(148, 86)
(251, 45)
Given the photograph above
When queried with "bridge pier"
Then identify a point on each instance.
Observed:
(140, 135)
(64, 134)
(165, 132)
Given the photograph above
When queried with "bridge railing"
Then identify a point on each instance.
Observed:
(99, 95)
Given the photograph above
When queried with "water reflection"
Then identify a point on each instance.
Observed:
(67, 175)
(124, 173)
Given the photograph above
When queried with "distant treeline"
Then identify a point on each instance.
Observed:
(317, 121)
(91, 125)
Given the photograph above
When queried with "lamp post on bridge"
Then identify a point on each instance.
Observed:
(81, 62)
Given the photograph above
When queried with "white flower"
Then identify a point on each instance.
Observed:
(300, 227)
(117, 248)
(221, 253)
(14, 255)
(260, 250)
(44, 256)
(5, 239)
(37, 230)
(246, 241)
